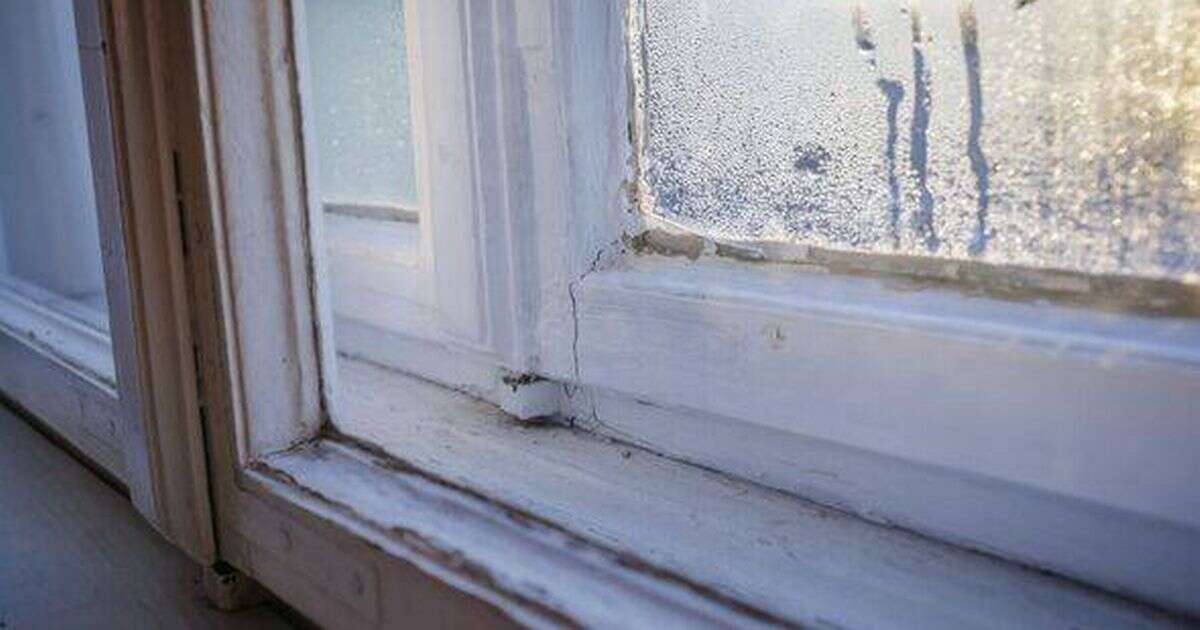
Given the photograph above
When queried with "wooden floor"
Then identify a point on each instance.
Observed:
(75, 554)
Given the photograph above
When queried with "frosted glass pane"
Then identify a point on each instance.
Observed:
(358, 64)
(49, 234)
(1058, 134)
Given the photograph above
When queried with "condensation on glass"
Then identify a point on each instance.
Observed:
(362, 143)
(49, 232)
(357, 62)
(1054, 134)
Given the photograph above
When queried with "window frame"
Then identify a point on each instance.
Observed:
(125, 398)
(471, 294)
(260, 361)
(640, 373)
(269, 363)
(58, 348)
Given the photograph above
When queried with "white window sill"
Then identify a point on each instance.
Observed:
(55, 355)
(69, 331)
(605, 534)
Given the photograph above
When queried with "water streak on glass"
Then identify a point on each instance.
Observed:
(1058, 134)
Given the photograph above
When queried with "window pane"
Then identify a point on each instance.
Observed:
(49, 235)
(358, 64)
(359, 107)
(1047, 133)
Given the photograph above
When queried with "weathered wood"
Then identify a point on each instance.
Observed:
(165, 442)
(556, 127)
(249, 279)
(773, 551)
(65, 401)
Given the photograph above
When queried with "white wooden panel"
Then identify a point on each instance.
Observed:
(264, 225)
(1012, 400)
(65, 401)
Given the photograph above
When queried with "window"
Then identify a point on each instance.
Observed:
(362, 110)
(1045, 136)
(407, 216)
(49, 232)
(91, 300)
(968, 193)
(363, 159)
(54, 192)
(793, 246)
(363, 162)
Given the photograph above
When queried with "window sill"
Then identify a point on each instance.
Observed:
(580, 527)
(1041, 432)
(52, 364)
(68, 331)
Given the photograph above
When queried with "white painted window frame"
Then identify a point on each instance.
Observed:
(124, 397)
(453, 293)
(708, 361)
(63, 365)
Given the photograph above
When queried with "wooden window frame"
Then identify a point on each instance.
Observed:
(124, 397)
(544, 96)
(66, 360)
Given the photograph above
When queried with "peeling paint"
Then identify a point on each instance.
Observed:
(517, 381)
(457, 562)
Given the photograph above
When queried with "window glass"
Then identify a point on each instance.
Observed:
(1045, 133)
(49, 233)
(360, 107)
